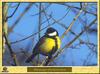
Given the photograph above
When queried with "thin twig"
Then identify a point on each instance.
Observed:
(61, 24)
(46, 15)
(20, 17)
(76, 8)
(72, 23)
(42, 10)
(37, 32)
(13, 12)
(40, 20)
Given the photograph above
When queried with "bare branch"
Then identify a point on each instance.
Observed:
(77, 8)
(13, 55)
(13, 12)
(42, 10)
(38, 32)
(72, 23)
(20, 17)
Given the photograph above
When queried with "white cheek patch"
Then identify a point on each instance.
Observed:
(53, 34)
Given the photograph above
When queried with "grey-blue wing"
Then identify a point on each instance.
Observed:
(36, 48)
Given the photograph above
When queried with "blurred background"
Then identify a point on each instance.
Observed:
(27, 22)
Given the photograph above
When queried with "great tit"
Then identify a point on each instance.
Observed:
(47, 45)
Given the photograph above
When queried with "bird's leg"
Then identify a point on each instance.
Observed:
(50, 55)
(48, 60)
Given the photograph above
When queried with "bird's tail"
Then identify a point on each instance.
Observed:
(30, 58)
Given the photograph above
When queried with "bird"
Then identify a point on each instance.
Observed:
(47, 45)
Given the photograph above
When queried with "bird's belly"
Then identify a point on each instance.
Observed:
(47, 46)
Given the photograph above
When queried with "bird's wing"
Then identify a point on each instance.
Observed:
(40, 42)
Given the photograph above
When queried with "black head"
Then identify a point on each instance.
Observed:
(51, 32)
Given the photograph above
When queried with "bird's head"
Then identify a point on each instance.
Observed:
(51, 32)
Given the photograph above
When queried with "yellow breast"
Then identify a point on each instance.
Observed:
(48, 44)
